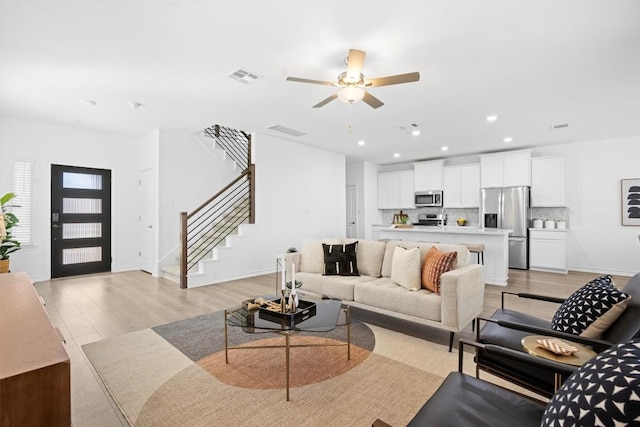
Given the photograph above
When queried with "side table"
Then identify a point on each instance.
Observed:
(578, 358)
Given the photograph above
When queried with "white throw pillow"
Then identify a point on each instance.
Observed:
(405, 268)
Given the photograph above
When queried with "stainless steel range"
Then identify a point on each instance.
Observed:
(431, 219)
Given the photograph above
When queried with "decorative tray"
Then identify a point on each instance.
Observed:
(306, 309)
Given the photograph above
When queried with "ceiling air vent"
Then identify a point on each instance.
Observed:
(243, 76)
(283, 129)
(559, 126)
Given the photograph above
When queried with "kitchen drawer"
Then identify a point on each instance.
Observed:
(547, 234)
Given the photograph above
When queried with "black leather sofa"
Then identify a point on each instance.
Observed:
(506, 328)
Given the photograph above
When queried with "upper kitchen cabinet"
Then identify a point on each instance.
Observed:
(461, 186)
(547, 182)
(428, 175)
(510, 169)
(395, 190)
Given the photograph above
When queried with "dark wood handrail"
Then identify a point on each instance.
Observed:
(215, 196)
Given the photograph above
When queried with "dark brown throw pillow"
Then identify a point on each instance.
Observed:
(340, 260)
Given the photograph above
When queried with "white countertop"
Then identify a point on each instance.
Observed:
(451, 229)
(549, 229)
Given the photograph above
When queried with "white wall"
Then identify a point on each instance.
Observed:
(593, 170)
(300, 193)
(47, 144)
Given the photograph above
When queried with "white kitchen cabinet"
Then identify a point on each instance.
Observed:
(451, 187)
(470, 186)
(548, 250)
(510, 169)
(428, 175)
(395, 190)
(491, 170)
(461, 186)
(547, 182)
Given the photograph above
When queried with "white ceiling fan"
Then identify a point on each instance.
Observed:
(352, 82)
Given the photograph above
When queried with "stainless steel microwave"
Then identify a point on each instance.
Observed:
(428, 198)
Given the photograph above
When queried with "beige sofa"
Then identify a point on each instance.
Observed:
(461, 296)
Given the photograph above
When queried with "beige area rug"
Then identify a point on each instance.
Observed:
(175, 375)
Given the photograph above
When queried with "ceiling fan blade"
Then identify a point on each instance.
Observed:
(326, 101)
(372, 100)
(394, 80)
(355, 61)
(316, 82)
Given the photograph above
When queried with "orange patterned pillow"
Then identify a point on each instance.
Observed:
(436, 263)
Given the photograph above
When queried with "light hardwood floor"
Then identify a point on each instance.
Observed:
(92, 308)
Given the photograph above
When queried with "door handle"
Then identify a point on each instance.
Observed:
(54, 226)
(149, 226)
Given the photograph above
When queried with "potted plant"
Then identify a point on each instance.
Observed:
(8, 244)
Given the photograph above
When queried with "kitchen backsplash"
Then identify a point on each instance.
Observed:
(471, 214)
(551, 213)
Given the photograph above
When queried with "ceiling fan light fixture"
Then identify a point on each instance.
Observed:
(351, 94)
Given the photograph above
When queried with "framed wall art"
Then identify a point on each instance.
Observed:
(631, 201)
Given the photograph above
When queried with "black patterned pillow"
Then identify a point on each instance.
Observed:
(340, 259)
(605, 391)
(590, 310)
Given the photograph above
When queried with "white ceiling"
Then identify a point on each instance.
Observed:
(534, 63)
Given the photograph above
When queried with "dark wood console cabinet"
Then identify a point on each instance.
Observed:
(35, 371)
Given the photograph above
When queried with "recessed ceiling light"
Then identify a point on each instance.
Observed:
(492, 118)
(508, 139)
(361, 143)
(415, 132)
(396, 155)
(90, 102)
(444, 148)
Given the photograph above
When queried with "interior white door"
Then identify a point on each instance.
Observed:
(352, 212)
(145, 220)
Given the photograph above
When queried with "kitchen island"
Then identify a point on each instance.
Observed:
(495, 241)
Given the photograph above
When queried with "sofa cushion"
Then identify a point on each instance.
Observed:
(340, 260)
(603, 392)
(590, 310)
(312, 256)
(340, 287)
(384, 293)
(405, 267)
(463, 252)
(436, 263)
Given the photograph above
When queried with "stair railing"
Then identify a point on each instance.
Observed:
(210, 223)
(235, 143)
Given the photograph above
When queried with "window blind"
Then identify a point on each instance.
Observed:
(23, 202)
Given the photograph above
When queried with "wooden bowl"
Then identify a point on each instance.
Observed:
(461, 222)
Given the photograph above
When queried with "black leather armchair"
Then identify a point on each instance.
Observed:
(463, 400)
(506, 328)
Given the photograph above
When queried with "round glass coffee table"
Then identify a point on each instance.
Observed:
(322, 315)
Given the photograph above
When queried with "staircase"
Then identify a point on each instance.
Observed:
(220, 223)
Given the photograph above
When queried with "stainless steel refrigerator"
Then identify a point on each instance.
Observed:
(508, 208)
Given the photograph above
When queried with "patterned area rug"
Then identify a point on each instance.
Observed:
(176, 374)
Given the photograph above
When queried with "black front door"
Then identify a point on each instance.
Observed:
(80, 220)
